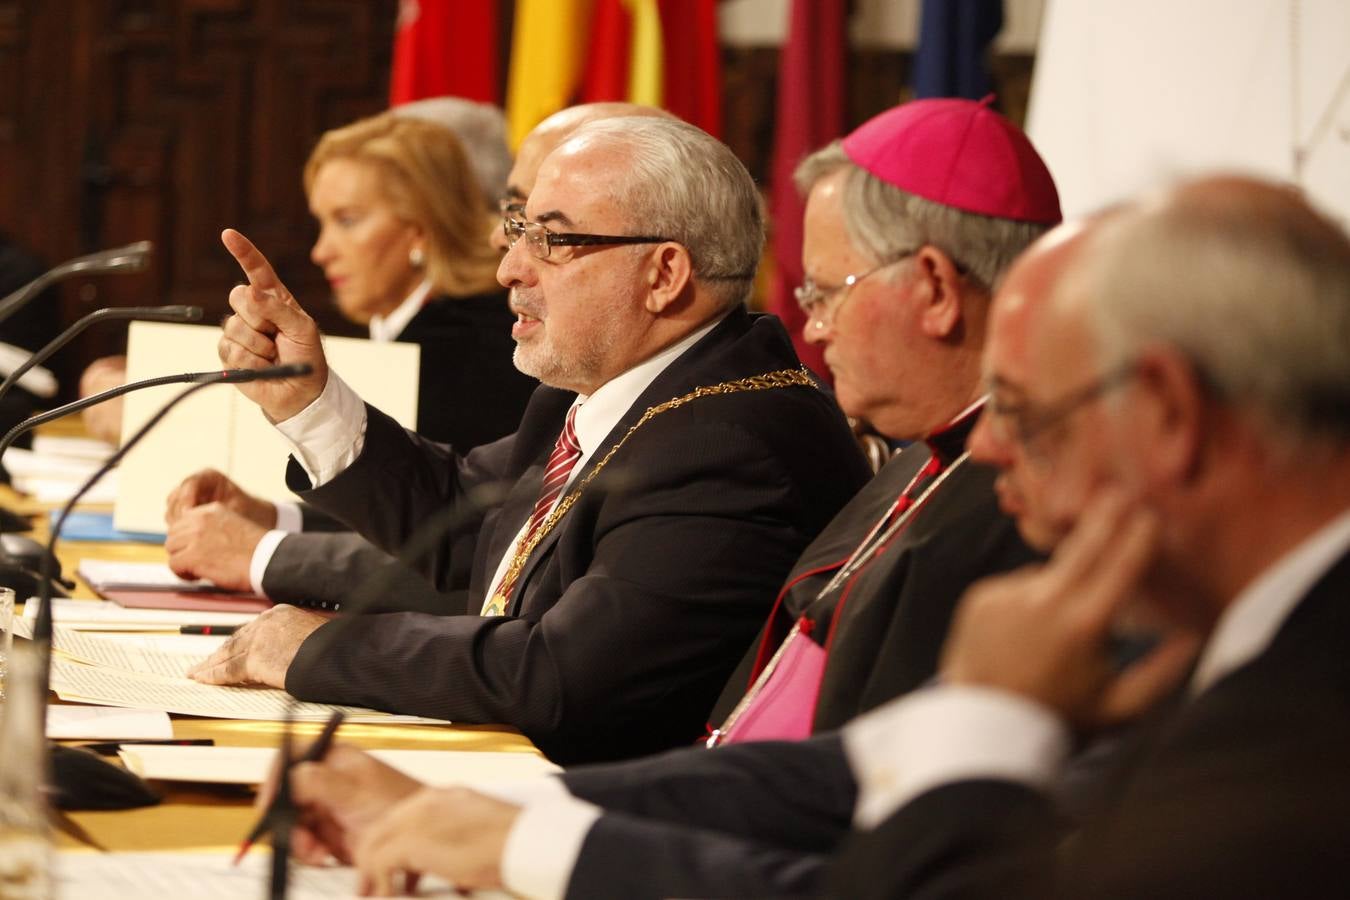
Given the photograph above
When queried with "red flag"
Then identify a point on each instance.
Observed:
(611, 50)
(692, 87)
(445, 47)
(810, 114)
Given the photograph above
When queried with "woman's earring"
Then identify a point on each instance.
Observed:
(417, 257)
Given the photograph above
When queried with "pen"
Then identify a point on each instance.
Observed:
(108, 747)
(208, 629)
(316, 752)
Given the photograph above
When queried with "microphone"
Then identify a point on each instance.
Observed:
(131, 258)
(111, 314)
(219, 376)
(79, 783)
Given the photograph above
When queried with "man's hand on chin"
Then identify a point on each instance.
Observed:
(261, 651)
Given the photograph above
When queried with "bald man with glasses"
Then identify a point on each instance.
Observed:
(622, 547)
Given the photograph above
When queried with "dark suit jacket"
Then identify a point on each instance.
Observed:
(469, 390)
(630, 614)
(469, 393)
(757, 820)
(1241, 792)
(886, 634)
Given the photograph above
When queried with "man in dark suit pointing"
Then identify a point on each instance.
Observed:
(662, 480)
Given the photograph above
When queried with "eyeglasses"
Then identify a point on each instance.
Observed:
(820, 303)
(541, 241)
(1028, 425)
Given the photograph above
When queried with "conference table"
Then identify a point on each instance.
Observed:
(207, 816)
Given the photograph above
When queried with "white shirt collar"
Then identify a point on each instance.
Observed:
(600, 412)
(388, 328)
(1247, 627)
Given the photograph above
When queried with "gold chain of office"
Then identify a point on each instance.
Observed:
(782, 378)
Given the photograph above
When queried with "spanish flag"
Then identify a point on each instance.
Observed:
(548, 47)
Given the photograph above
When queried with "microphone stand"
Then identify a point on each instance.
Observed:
(283, 811)
(94, 777)
(131, 258)
(9, 520)
(111, 314)
(13, 572)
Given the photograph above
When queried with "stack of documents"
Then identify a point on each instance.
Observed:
(147, 672)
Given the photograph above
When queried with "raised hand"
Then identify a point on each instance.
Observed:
(269, 328)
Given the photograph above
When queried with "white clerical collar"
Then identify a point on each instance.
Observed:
(1247, 627)
(598, 413)
(388, 328)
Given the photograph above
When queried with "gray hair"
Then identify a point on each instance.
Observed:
(681, 183)
(889, 222)
(1246, 279)
(481, 129)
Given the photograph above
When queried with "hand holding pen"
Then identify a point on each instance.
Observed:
(337, 799)
(272, 800)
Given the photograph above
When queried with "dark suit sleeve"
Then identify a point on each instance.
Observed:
(749, 820)
(326, 570)
(974, 840)
(432, 483)
(797, 795)
(630, 859)
(661, 577)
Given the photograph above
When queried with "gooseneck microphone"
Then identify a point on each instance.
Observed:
(79, 783)
(218, 376)
(131, 258)
(111, 314)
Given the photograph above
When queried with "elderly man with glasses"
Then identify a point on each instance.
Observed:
(622, 547)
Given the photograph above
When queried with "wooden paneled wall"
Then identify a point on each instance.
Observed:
(169, 119)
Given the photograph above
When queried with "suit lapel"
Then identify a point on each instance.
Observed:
(683, 374)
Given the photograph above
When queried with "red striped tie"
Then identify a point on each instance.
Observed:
(564, 457)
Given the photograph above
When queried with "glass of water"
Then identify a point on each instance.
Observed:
(6, 634)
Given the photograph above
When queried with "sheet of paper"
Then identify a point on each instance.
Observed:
(105, 574)
(218, 427)
(209, 876)
(106, 723)
(104, 615)
(59, 490)
(250, 765)
(80, 683)
(138, 653)
(70, 447)
(23, 463)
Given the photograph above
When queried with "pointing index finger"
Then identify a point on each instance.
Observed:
(256, 267)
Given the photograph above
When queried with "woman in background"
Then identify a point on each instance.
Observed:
(403, 228)
(404, 217)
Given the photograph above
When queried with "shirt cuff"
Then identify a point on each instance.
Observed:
(945, 734)
(262, 556)
(289, 517)
(543, 845)
(327, 436)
